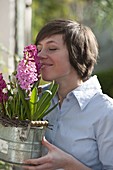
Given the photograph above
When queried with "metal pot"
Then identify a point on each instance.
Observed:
(20, 143)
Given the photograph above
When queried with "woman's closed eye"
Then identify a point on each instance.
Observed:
(47, 50)
(52, 49)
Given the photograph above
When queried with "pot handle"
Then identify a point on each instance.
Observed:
(24, 133)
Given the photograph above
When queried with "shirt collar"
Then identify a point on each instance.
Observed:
(86, 91)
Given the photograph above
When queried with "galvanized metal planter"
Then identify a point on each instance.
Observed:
(20, 143)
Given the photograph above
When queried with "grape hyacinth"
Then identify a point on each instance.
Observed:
(28, 69)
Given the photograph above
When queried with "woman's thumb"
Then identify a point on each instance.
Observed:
(48, 145)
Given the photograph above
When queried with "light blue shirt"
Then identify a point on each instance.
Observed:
(83, 126)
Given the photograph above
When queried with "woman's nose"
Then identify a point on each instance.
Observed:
(42, 53)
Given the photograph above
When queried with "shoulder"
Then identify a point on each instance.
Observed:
(102, 109)
(101, 106)
(104, 100)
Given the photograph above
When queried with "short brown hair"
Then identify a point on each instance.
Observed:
(80, 41)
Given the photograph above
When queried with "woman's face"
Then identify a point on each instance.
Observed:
(54, 59)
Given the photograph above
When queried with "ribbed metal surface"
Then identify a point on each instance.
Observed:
(18, 144)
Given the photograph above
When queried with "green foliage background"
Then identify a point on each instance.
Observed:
(106, 81)
(45, 10)
(96, 13)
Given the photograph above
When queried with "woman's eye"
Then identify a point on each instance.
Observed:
(52, 49)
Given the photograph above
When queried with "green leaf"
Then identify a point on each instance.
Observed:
(45, 100)
(33, 99)
(25, 103)
(45, 113)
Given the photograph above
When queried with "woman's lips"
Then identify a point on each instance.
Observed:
(44, 65)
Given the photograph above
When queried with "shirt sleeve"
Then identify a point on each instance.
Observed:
(105, 140)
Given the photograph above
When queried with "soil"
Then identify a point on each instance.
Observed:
(6, 121)
(15, 122)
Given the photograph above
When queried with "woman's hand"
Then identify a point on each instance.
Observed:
(55, 159)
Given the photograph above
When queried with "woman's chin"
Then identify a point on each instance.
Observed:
(47, 78)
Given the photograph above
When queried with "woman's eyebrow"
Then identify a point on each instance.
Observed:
(52, 41)
(49, 42)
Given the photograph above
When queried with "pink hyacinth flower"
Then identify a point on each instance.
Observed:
(31, 53)
(28, 69)
(3, 96)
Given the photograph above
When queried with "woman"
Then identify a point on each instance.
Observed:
(82, 134)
